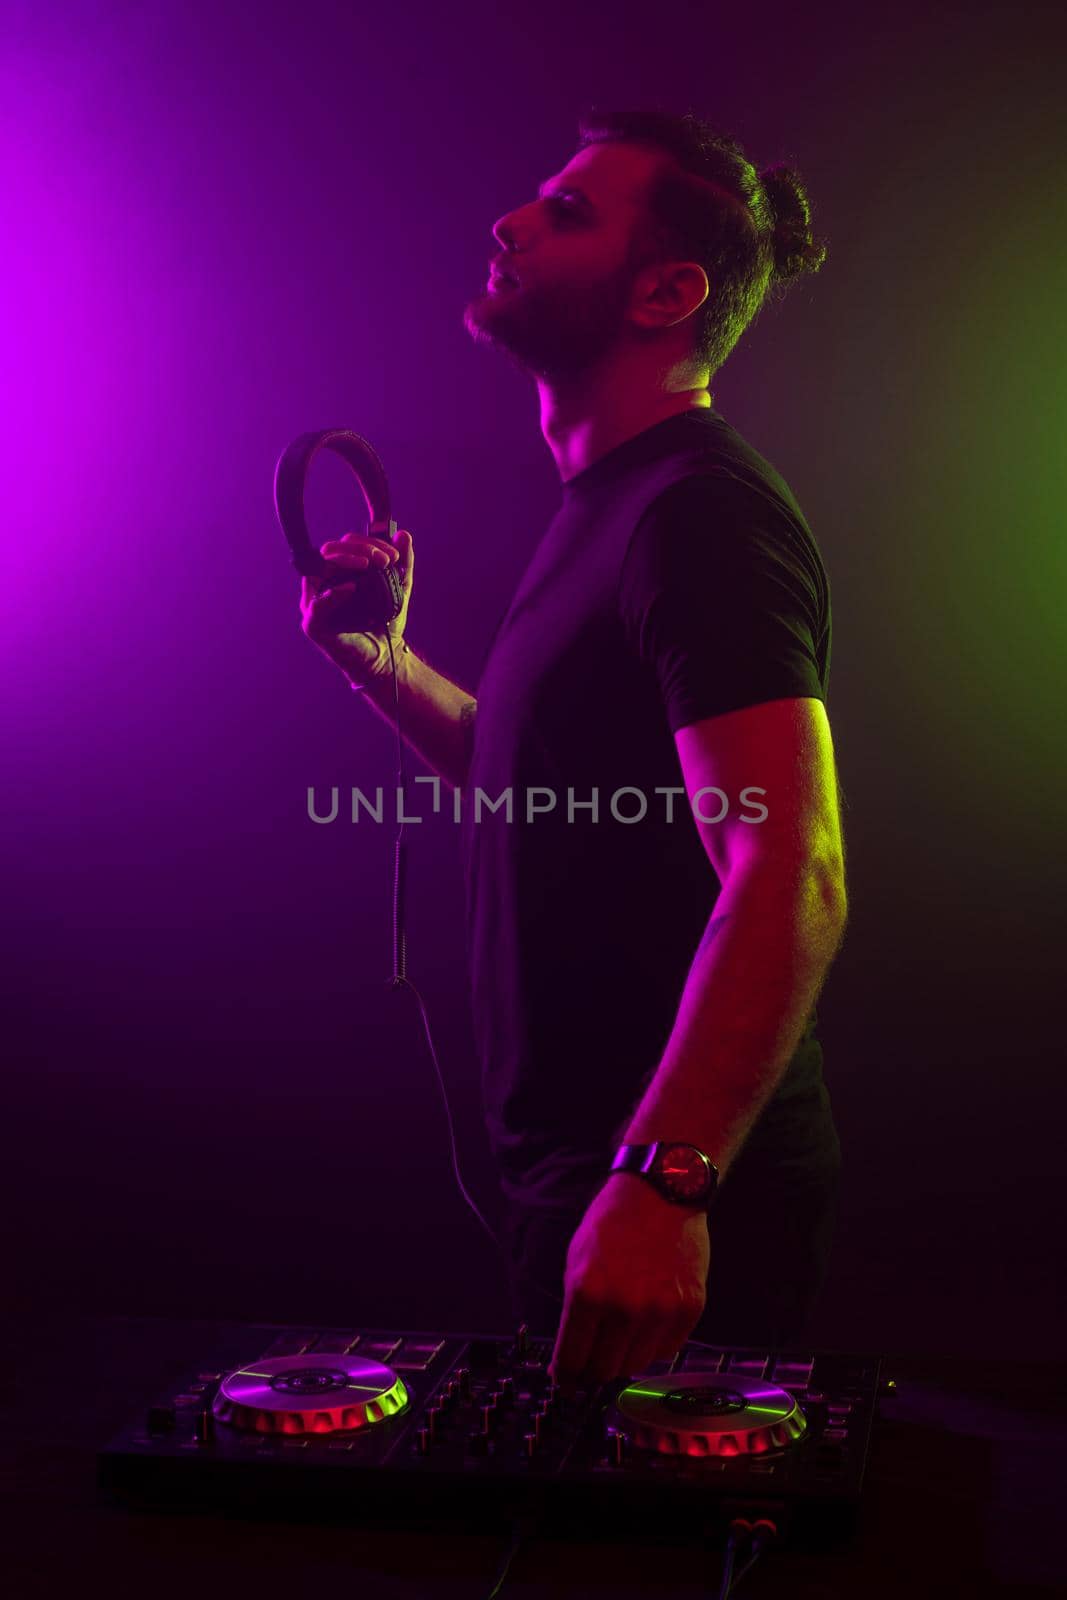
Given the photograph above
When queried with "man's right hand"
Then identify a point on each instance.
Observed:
(360, 656)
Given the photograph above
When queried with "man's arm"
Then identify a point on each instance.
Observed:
(777, 925)
(436, 715)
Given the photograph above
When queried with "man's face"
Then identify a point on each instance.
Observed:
(565, 258)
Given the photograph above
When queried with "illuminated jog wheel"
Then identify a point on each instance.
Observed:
(708, 1414)
(309, 1394)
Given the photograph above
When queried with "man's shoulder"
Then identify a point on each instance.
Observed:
(718, 464)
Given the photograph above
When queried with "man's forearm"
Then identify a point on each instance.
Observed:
(436, 715)
(750, 989)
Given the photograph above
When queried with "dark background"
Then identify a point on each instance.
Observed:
(237, 224)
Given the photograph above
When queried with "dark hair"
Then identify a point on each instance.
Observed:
(749, 230)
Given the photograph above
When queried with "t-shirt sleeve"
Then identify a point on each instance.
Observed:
(721, 601)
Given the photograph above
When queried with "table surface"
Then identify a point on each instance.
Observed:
(963, 1496)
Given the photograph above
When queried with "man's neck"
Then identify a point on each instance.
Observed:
(582, 418)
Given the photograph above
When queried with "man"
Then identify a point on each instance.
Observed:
(645, 960)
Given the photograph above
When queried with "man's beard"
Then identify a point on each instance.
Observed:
(552, 332)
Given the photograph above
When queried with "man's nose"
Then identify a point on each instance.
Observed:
(507, 230)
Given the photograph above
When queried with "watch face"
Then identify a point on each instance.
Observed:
(685, 1170)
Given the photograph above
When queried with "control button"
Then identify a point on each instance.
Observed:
(342, 1444)
(753, 1366)
(417, 1354)
(793, 1374)
(209, 1377)
(336, 1344)
(616, 1448)
(522, 1341)
(204, 1426)
(289, 1344)
(434, 1420)
(529, 1444)
(697, 1360)
(422, 1441)
(463, 1377)
(380, 1350)
(506, 1391)
(835, 1433)
(489, 1417)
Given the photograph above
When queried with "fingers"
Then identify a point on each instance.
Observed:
(593, 1343)
(615, 1336)
(657, 1342)
(574, 1340)
(362, 550)
(597, 1343)
(352, 557)
(646, 1346)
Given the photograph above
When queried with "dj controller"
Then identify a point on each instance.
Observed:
(373, 1423)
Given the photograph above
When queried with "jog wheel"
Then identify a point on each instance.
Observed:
(310, 1394)
(708, 1414)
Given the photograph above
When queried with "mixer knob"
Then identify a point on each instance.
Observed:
(529, 1444)
(541, 1421)
(521, 1340)
(434, 1418)
(616, 1448)
(489, 1415)
(422, 1441)
(463, 1378)
(506, 1391)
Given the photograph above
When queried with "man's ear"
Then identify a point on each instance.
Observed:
(666, 292)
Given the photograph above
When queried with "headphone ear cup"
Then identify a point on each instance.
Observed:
(394, 583)
(378, 598)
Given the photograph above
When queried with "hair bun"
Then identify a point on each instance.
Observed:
(795, 250)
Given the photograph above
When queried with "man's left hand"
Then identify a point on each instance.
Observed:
(635, 1284)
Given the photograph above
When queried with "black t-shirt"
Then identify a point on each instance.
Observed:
(678, 580)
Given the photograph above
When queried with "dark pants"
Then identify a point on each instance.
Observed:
(770, 1231)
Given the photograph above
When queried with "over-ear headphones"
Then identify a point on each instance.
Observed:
(379, 592)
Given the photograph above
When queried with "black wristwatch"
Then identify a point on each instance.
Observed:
(680, 1172)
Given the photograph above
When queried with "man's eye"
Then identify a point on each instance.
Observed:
(562, 202)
